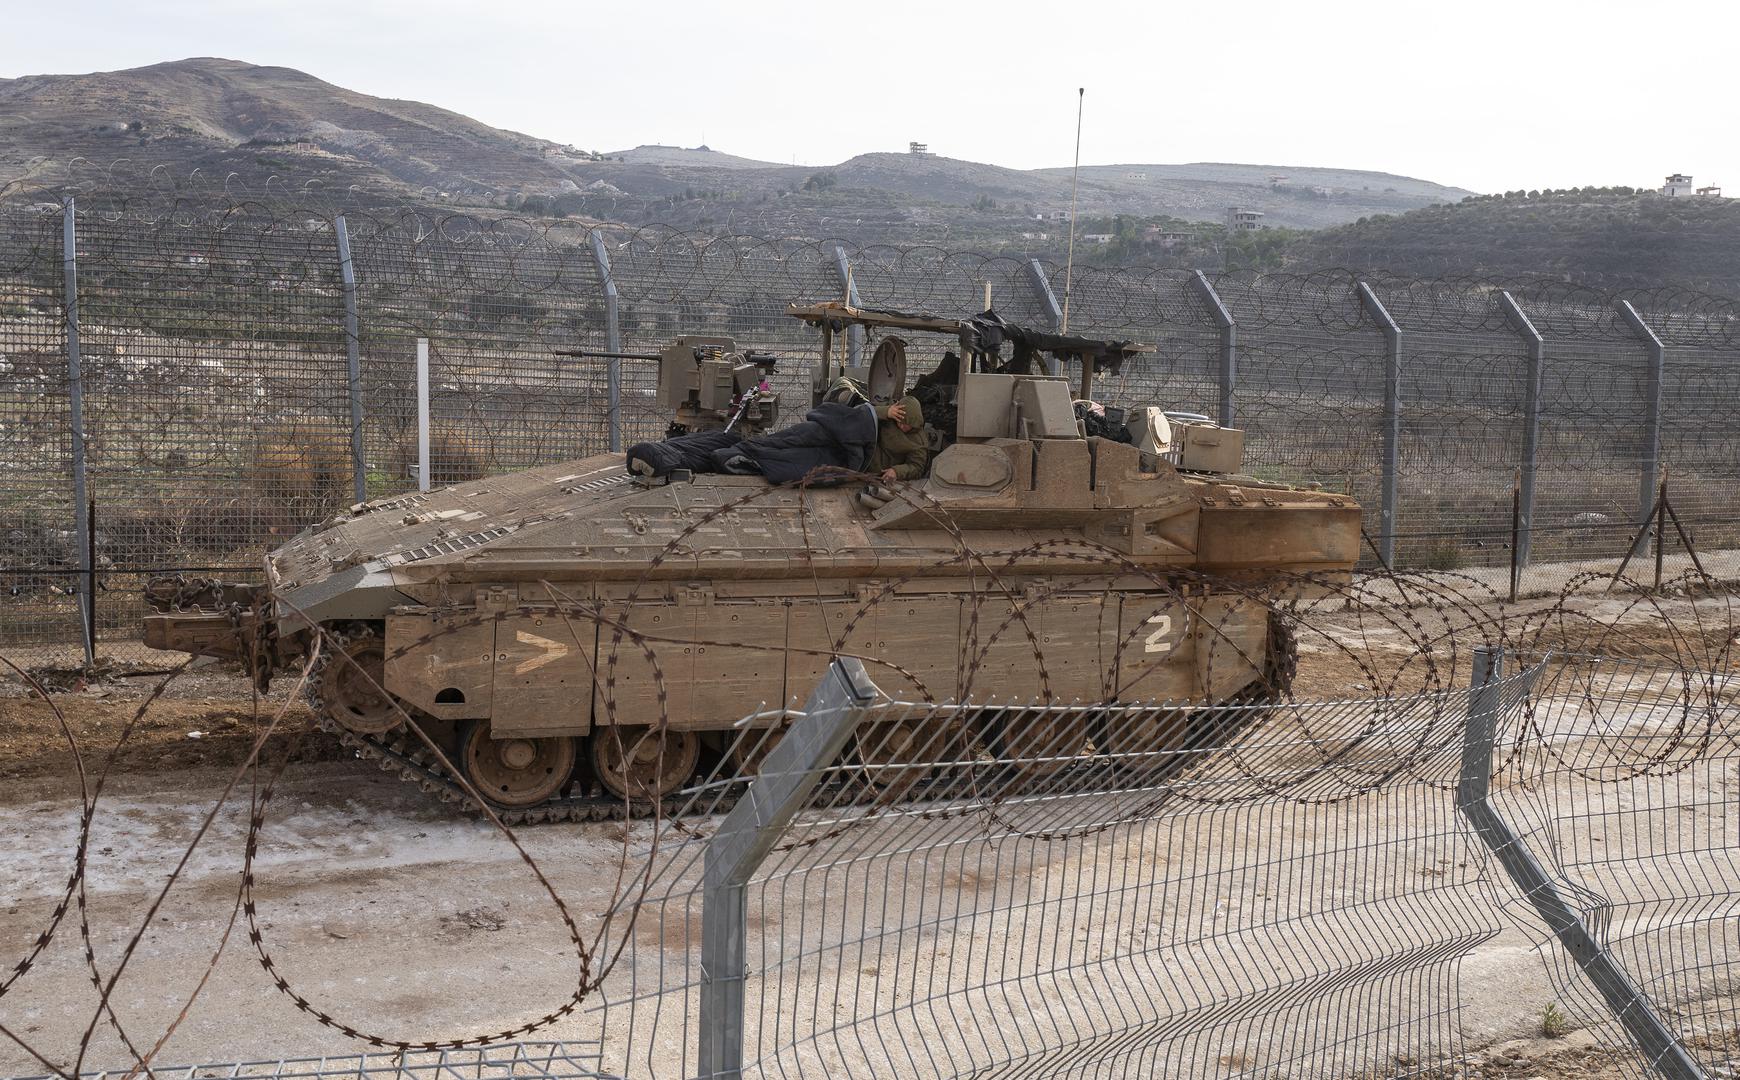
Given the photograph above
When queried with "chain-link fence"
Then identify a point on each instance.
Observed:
(217, 346)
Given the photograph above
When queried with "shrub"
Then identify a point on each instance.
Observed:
(302, 468)
(1554, 1023)
(456, 458)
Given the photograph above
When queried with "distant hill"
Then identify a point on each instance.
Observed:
(208, 124)
(696, 157)
(1294, 197)
(988, 203)
(271, 130)
(225, 117)
(1591, 237)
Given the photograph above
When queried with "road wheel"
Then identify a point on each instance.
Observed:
(1137, 739)
(515, 772)
(1040, 742)
(641, 764)
(751, 749)
(884, 746)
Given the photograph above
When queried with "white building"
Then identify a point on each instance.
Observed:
(1165, 237)
(1238, 219)
(1677, 184)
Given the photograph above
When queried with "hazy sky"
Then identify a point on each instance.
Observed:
(1487, 96)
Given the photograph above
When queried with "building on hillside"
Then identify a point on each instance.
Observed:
(1239, 219)
(1135, 176)
(1052, 215)
(920, 149)
(1097, 237)
(1164, 237)
(1713, 191)
(1677, 184)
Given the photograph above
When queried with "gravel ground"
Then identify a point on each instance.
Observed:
(409, 922)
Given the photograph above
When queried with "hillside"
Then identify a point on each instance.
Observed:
(1290, 197)
(986, 204)
(224, 117)
(253, 131)
(695, 157)
(1592, 238)
(210, 125)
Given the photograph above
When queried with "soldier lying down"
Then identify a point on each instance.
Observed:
(841, 432)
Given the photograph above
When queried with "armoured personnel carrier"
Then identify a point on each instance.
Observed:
(520, 618)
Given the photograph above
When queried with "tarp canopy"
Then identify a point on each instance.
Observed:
(984, 334)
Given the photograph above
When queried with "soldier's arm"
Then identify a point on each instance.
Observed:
(912, 464)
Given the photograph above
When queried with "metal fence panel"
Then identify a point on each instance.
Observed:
(1311, 383)
(215, 401)
(38, 547)
(1297, 905)
(218, 408)
(1617, 778)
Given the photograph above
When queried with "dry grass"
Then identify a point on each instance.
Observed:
(301, 463)
(457, 457)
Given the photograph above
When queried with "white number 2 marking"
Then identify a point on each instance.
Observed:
(1156, 642)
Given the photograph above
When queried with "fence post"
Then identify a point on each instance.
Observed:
(75, 386)
(1636, 1013)
(612, 341)
(854, 333)
(1650, 464)
(353, 355)
(745, 837)
(1392, 421)
(425, 468)
(1475, 781)
(1229, 345)
(1531, 433)
(1048, 300)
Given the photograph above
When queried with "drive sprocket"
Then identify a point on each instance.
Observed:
(348, 684)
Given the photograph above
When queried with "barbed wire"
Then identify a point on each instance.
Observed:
(1404, 636)
(216, 414)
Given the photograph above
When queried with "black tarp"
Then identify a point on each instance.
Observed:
(693, 452)
(831, 434)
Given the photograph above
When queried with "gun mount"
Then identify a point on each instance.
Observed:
(709, 384)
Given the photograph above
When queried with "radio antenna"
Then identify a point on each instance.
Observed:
(1074, 186)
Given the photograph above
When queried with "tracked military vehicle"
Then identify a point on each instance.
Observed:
(520, 618)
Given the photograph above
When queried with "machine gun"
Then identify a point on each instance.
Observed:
(709, 384)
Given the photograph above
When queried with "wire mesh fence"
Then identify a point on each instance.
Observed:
(219, 411)
(1274, 888)
(1294, 904)
(1619, 776)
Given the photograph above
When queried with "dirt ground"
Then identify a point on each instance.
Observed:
(207, 717)
(408, 920)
